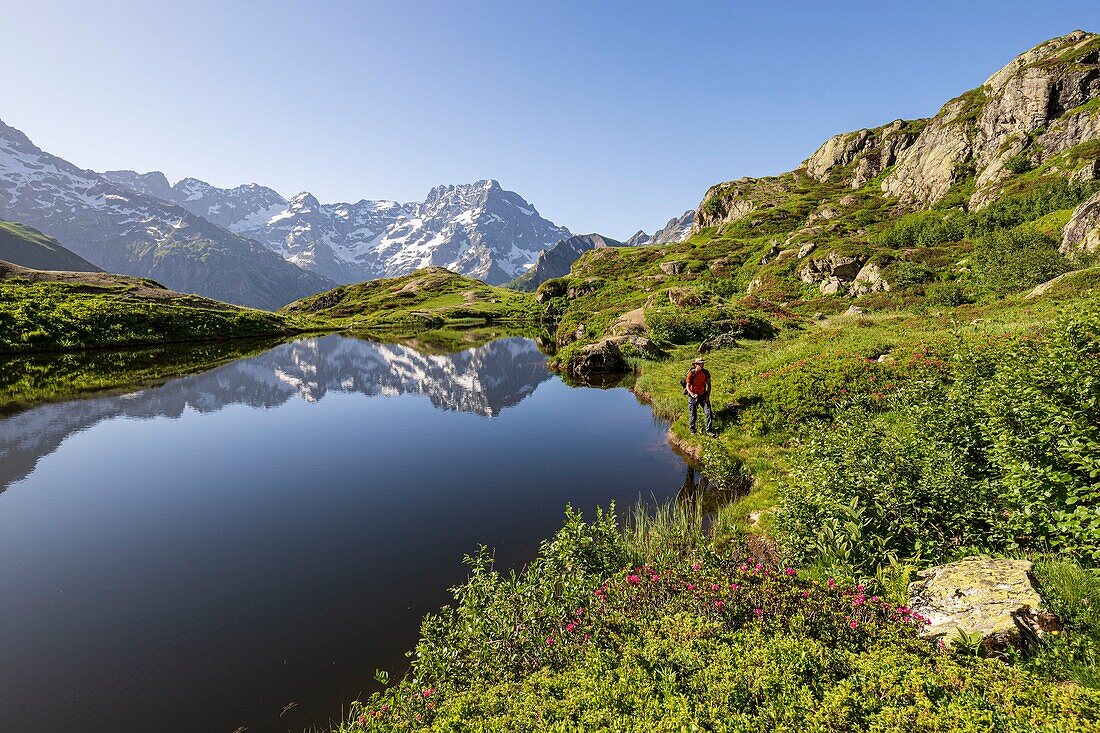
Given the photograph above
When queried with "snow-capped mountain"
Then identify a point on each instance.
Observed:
(125, 231)
(477, 229)
(676, 230)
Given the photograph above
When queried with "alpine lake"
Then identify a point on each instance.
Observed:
(237, 535)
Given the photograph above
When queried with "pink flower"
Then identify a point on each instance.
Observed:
(805, 594)
(385, 707)
(419, 716)
(758, 566)
(428, 692)
(734, 586)
(791, 572)
(587, 637)
(579, 611)
(719, 603)
(714, 586)
(695, 567)
(633, 579)
(691, 586)
(655, 578)
(832, 583)
(549, 641)
(362, 720)
(743, 568)
(570, 626)
(758, 611)
(854, 624)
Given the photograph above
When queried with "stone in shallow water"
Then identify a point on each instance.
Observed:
(995, 597)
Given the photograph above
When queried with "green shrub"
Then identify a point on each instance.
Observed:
(907, 273)
(1012, 260)
(1002, 452)
(685, 325)
(948, 294)
(1019, 163)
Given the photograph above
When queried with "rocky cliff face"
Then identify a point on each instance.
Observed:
(1082, 232)
(1043, 104)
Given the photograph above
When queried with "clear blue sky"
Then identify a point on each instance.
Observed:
(608, 116)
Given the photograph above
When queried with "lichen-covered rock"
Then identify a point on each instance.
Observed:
(834, 265)
(721, 341)
(994, 597)
(1029, 107)
(869, 280)
(1082, 232)
(602, 357)
(639, 346)
(581, 289)
(875, 150)
(685, 297)
(672, 268)
(631, 322)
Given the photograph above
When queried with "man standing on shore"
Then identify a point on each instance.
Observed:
(697, 386)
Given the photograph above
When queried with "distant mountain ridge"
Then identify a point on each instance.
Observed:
(556, 261)
(132, 233)
(676, 230)
(480, 229)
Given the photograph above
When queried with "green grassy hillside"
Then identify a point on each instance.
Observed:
(49, 311)
(428, 298)
(28, 247)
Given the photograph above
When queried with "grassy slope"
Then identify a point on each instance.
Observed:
(48, 311)
(430, 298)
(28, 247)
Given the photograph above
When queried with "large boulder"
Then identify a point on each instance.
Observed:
(721, 341)
(631, 322)
(994, 597)
(602, 357)
(672, 268)
(1083, 230)
(869, 280)
(834, 267)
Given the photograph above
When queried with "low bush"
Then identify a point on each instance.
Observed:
(1002, 453)
(685, 325)
(1012, 260)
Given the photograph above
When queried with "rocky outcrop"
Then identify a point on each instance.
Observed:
(832, 272)
(725, 203)
(1026, 113)
(994, 598)
(1082, 232)
(600, 358)
(873, 151)
(869, 280)
(631, 322)
(672, 268)
(721, 341)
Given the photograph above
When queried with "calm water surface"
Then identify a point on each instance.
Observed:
(196, 556)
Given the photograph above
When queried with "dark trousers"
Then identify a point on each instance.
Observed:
(693, 404)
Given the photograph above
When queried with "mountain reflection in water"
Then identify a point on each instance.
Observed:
(483, 380)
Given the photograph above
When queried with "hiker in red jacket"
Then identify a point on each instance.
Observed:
(697, 387)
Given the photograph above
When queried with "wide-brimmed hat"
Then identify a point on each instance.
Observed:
(697, 361)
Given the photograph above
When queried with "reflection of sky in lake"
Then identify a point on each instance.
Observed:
(197, 555)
